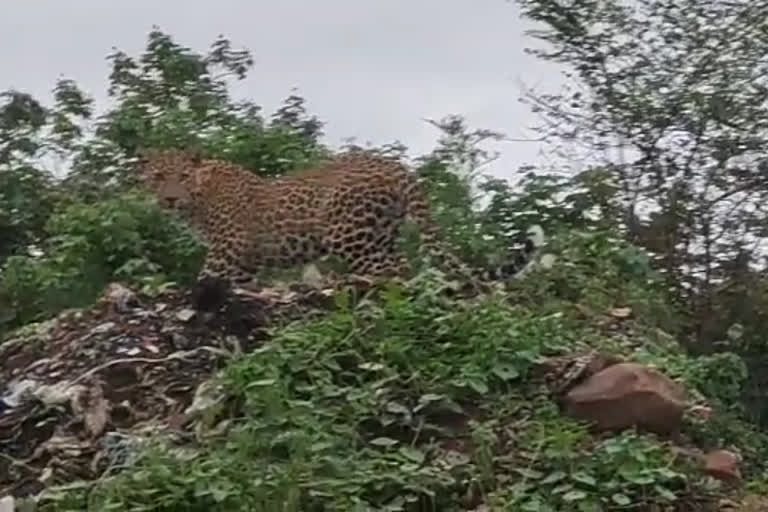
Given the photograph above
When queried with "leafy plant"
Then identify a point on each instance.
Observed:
(90, 244)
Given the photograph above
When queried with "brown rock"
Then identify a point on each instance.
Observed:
(626, 395)
(723, 465)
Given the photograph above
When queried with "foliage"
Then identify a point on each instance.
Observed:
(127, 238)
(30, 132)
(670, 97)
(450, 174)
(404, 400)
(624, 470)
(26, 200)
(170, 96)
(668, 100)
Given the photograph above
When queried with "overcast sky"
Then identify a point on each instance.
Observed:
(371, 69)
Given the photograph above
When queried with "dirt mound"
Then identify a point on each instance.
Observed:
(78, 390)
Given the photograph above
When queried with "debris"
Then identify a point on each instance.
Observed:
(91, 405)
(311, 275)
(79, 393)
(103, 328)
(119, 450)
(700, 412)
(7, 504)
(58, 393)
(206, 406)
(18, 391)
(121, 298)
(621, 312)
(185, 315)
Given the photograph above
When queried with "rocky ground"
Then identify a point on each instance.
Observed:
(78, 391)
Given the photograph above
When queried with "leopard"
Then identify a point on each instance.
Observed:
(351, 206)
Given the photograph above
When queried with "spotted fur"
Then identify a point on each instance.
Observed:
(351, 207)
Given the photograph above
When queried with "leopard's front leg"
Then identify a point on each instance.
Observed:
(221, 272)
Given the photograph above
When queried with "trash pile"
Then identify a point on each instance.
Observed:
(79, 392)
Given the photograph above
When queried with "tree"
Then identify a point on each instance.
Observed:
(171, 96)
(671, 97)
(30, 134)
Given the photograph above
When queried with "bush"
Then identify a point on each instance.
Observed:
(127, 238)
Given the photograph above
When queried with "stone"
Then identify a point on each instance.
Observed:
(185, 315)
(723, 465)
(103, 328)
(628, 395)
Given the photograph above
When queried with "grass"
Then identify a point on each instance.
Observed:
(410, 400)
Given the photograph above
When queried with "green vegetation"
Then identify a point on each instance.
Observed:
(407, 398)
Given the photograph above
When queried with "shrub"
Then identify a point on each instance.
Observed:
(127, 237)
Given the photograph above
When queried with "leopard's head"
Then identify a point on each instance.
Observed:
(169, 174)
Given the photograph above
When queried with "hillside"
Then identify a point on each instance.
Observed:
(344, 398)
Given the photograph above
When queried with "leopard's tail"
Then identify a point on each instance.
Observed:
(521, 261)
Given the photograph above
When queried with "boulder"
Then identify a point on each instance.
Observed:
(723, 465)
(628, 395)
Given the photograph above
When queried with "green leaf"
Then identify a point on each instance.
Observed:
(261, 383)
(553, 477)
(665, 493)
(589, 506)
(430, 397)
(219, 495)
(639, 479)
(505, 372)
(478, 386)
(621, 499)
(584, 478)
(412, 454)
(574, 495)
(560, 489)
(669, 474)
(531, 474)
(384, 441)
(396, 408)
